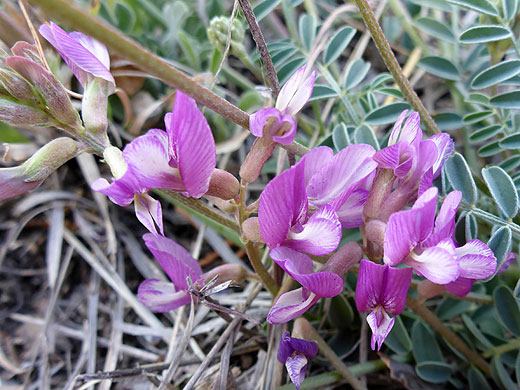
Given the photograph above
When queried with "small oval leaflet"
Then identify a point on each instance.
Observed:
(386, 114)
(440, 67)
(338, 44)
(502, 189)
(484, 33)
(460, 178)
(506, 100)
(496, 74)
(500, 243)
(507, 309)
(482, 6)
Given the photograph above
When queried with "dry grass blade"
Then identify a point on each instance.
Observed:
(54, 242)
(181, 348)
(113, 280)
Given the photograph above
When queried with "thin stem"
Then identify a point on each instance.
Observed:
(68, 13)
(449, 335)
(393, 66)
(511, 346)
(203, 208)
(336, 361)
(262, 46)
(261, 271)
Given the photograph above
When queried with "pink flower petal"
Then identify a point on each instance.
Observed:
(174, 259)
(381, 324)
(320, 235)
(262, 118)
(296, 367)
(476, 260)
(149, 212)
(344, 171)
(406, 229)
(78, 57)
(283, 203)
(460, 287)
(299, 267)
(161, 296)
(438, 264)
(445, 149)
(149, 158)
(314, 160)
(296, 92)
(291, 305)
(350, 214)
(396, 130)
(121, 191)
(191, 145)
(445, 221)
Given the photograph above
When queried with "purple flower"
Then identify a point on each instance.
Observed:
(283, 214)
(162, 296)
(278, 122)
(294, 353)
(426, 244)
(411, 237)
(381, 290)
(181, 159)
(315, 285)
(83, 54)
(414, 161)
(342, 180)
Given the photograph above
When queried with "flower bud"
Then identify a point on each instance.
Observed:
(50, 89)
(17, 180)
(345, 258)
(227, 272)
(251, 230)
(223, 185)
(26, 50)
(22, 115)
(13, 85)
(49, 158)
(114, 158)
(94, 106)
(218, 32)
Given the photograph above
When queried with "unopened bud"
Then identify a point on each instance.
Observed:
(17, 87)
(251, 230)
(50, 89)
(223, 185)
(22, 115)
(94, 105)
(114, 158)
(260, 152)
(345, 258)
(218, 33)
(17, 180)
(26, 50)
(49, 158)
(227, 272)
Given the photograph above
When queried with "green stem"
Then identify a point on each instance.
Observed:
(338, 364)
(68, 13)
(329, 378)
(203, 208)
(513, 345)
(449, 335)
(393, 66)
(261, 271)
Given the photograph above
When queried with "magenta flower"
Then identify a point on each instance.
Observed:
(381, 290)
(343, 180)
(294, 353)
(283, 214)
(476, 261)
(415, 162)
(162, 296)
(315, 285)
(83, 54)
(411, 237)
(278, 122)
(181, 159)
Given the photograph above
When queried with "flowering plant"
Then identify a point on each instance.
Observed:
(327, 213)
